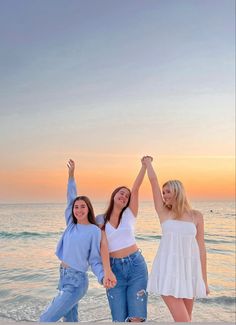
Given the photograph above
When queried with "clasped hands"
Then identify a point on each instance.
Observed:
(146, 159)
(109, 280)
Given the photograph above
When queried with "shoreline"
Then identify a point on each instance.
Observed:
(5, 320)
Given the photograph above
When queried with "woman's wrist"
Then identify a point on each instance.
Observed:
(107, 270)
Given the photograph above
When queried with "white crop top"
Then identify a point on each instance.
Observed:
(123, 235)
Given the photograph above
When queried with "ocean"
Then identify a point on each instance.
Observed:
(29, 268)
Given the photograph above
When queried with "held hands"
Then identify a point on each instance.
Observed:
(109, 280)
(146, 160)
(71, 167)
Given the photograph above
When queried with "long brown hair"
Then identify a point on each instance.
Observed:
(107, 214)
(181, 202)
(91, 215)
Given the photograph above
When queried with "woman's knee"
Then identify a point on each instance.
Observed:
(177, 308)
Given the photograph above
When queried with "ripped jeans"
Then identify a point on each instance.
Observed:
(128, 299)
(73, 285)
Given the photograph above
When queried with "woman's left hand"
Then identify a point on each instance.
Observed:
(109, 280)
(146, 159)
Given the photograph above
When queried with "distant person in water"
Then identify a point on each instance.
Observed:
(78, 248)
(179, 268)
(128, 299)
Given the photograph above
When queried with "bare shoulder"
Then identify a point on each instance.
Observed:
(198, 217)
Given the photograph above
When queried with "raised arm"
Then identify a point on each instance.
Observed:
(133, 205)
(156, 191)
(71, 191)
(201, 245)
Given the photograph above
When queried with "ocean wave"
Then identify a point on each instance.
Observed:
(220, 251)
(219, 241)
(27, 234)
(216, 235)
(146, 238)
(221, 300)
(230, 214)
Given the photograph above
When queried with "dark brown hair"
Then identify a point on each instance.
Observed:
(107, 214)
(91, 215)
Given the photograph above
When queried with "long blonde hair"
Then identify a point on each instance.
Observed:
(181, 202)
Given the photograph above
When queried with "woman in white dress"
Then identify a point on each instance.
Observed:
(179, 268)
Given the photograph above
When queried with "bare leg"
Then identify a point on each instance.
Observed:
(189, 306)
(177, 308)
(136, 319)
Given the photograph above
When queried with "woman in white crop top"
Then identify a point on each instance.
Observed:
(179, 268)
(128, 299)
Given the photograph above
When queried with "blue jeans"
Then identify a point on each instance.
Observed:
(73, 285)
(128, 299)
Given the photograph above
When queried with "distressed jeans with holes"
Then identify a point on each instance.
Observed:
(128, 299)
(73, 285)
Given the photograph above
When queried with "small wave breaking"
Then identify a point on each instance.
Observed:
(27, 234)
(221, 300)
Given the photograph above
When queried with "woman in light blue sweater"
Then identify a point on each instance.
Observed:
(78, 248)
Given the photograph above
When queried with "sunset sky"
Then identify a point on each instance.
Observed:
(106, 82)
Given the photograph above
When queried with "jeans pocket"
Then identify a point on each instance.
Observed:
(74, 278)
(138, 260)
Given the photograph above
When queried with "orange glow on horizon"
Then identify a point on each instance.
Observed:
(203, 177)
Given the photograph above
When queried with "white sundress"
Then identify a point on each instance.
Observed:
(176, 269)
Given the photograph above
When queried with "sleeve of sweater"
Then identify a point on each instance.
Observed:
(71, 195)
(95, 260)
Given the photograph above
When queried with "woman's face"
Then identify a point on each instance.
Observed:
(122, 197)
(81, 211)
(168, 195)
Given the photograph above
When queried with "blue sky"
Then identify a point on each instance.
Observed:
(115, 77)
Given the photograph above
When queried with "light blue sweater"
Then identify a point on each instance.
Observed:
(79, 246)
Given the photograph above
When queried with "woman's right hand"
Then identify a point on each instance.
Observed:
(71, 167)
(146, 159)
(109, 280)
